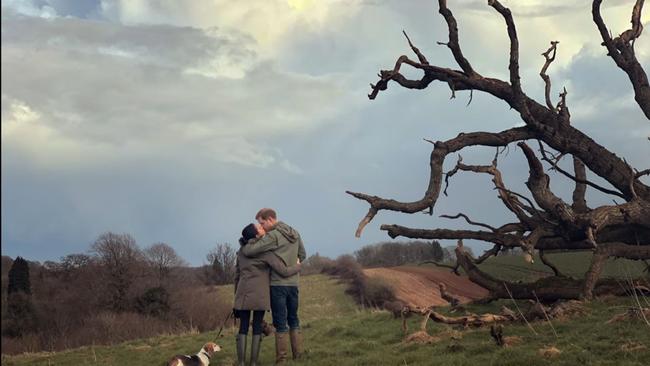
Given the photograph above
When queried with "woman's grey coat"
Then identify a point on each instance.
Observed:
(253, 281)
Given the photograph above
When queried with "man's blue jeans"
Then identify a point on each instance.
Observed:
(284, 308)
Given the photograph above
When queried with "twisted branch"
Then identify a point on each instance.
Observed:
(542, 257)
(547, 80)
(579, 202)
(438, 155)
(453, 44)
(469, 221)
(577, 178)
(621, 50)
(515, 79)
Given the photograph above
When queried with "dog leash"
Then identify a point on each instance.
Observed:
(224, 323)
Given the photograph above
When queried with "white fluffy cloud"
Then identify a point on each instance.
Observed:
(153, 88)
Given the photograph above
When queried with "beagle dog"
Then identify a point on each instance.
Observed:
(200, 359)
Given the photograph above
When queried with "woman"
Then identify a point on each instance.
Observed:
(252, 291)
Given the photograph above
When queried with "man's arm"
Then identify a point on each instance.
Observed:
(278, 265)
(264, 244)
(302, 255)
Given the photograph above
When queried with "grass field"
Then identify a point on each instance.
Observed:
(338, 333)
(571, 264)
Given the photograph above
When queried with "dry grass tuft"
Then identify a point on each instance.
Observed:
(421, 337)
(632, 347)
(549, 352)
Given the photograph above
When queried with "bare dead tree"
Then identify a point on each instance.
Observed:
(222, 259)
(163, 258)
(121, 262)
(620, 230)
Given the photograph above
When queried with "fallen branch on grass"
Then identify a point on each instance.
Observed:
(631, 314)
(536, 311)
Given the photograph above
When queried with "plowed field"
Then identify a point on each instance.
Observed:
(418, 286)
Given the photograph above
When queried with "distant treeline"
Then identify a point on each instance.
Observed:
(114, 292)
(391, 254)
(118, 291)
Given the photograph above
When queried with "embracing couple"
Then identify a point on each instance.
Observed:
(267, 278)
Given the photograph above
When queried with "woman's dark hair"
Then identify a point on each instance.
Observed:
(249, 232)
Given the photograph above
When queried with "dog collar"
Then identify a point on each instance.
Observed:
(205, 353)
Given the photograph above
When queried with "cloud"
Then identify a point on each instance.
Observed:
(267, 21)
(154, 88)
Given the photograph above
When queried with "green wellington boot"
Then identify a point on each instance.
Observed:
(256, 345)
(241, 349)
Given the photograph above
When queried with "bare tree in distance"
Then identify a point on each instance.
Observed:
(121, 261)
(163, 258)
(545, 222)
(222, 259)
(72, 263)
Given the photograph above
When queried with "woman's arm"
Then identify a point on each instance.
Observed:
(278, 265)
(236, 272)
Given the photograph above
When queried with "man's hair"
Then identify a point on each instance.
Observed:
(266, 213)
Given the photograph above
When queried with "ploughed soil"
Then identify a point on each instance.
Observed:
(418, 286)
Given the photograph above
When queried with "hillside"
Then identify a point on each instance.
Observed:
(573, 264)
(418, 286)
(337, 332)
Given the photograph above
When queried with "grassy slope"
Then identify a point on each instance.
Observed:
(337, 333)
(571, 264)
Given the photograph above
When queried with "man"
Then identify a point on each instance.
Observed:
(285, 242)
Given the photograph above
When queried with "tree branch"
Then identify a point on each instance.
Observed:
(453, 43)
(488, 253)
(469, 221)
(438, 155)
(515, 80)
(621, 50)
(577, 179)
(538, 184)
(423, 60)
(505, 195)
(548, 263)
(506, 240)
(642, 173)
(454, 269)
(547, 80)
(579, 203)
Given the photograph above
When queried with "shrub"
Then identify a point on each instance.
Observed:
(199, 308)
(378, 292)
(366, 291)
(20, 318)
(315, 264)
(154, 302)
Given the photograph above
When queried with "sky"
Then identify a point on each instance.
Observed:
(176, 121)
